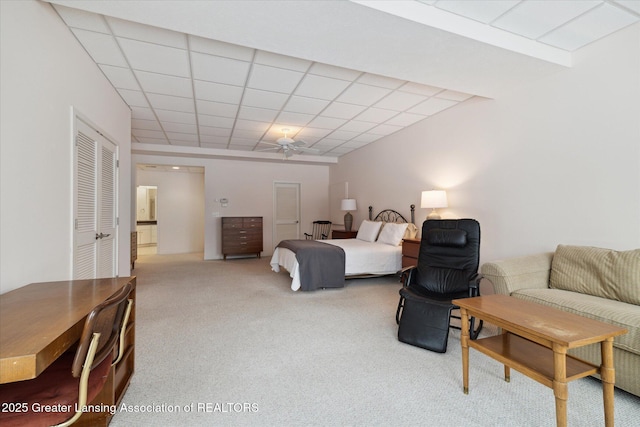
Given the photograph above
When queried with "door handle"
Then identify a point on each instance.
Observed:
(102, 235)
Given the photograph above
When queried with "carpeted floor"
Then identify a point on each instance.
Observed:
(227, 343)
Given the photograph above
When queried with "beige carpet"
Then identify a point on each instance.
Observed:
(227, 343)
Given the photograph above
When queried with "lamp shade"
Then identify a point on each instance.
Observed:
(348, 205)
(434, 199)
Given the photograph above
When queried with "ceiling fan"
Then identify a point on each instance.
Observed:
(288, 145)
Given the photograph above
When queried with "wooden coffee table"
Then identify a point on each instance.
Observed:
(534, 341)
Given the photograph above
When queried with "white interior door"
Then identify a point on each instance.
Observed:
(286, 218)
(95, 204)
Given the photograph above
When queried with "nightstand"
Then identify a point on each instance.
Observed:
(410, 250)
(344, 234)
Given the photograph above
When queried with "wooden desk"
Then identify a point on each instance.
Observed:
(535, 341)
(40, 321)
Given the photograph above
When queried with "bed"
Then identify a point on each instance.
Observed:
(327, 263)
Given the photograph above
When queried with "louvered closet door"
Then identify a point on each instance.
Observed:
(95, 247)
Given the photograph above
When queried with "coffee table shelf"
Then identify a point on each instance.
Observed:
(530, 358)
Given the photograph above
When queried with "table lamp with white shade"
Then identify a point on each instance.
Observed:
(348, 205)
(433, 199)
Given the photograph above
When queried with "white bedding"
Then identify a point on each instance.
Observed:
(360, 258)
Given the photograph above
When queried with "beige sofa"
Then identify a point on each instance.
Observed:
(598, 283)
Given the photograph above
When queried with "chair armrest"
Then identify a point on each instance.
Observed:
(510, 275)
(308, 236)
(474, 285)
(405, 275)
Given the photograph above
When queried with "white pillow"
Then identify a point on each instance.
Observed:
(392, 233)
(369, 230)
(412, 231)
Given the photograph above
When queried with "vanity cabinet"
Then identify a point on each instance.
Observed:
(241, 235)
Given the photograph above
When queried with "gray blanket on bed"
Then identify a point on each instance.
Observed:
(321, 264)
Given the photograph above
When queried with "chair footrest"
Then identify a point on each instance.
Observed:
(425, 324)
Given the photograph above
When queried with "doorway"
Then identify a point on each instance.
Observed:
(286, 215)
(147, 219)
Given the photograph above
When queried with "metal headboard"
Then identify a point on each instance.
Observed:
(389, 215)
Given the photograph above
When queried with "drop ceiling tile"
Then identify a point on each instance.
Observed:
(212, 131)
(630, 4)
(328, 144)
(362, 94)
(84, 20)
(134, 98)
(400, 101)
(405, 119)
(218, 92)
(353, 145)
(300, 104)
(145, 133)
(384, 129)
(175, 136)
(533, 19)
(167, 85)
(176, 117)
(257, 114)
(453, 95)
(218, 48)
(213, 139)
(432, 106)
(294, 119)
(252, 125)
(312, 133)
(142, 113)
(215, 121)
(326, 122)
(341, 110)
(343, 135)
(596, 23)
(376, 115)
(249, 134)
(367, 138)
(332, 71)
(171, 103)
(147, 33)
(342, 150)
(101, 47)
(155, 58)
(180, 128)
(357, 126)
(281, 61)
(120, 78)
(219, 70)
(380, 81)
(264, 99)
(217, 108)
(479, 10)
(145, 124)
(321, 87)
(273, 79)
(419, 89)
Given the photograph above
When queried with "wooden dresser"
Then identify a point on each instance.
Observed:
(241, 235)
(410, 250)
(344, 234)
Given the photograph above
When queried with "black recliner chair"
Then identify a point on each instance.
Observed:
(447, 269)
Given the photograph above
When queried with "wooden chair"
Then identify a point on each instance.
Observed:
(320, 231)
(75, 378)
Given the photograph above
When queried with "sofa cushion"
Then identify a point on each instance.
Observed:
(605, 310)
(599, 272)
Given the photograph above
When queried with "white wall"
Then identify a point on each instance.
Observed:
(43, 74)
(249, 188)
(555, 162)
(180, 208)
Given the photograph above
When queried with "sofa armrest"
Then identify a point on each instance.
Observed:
(509, 275)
